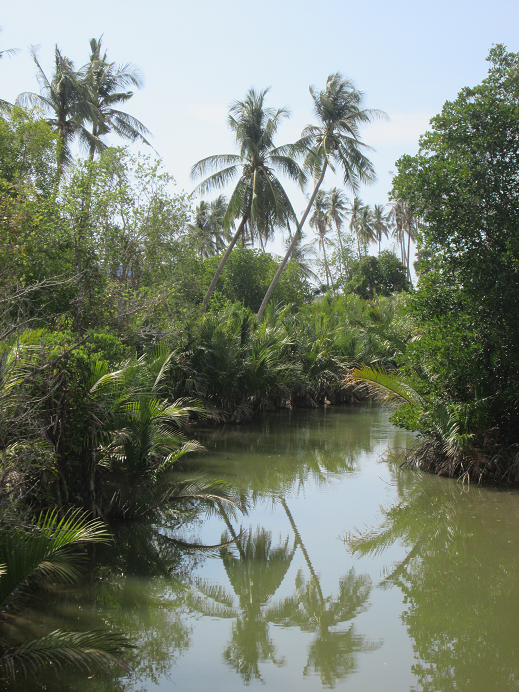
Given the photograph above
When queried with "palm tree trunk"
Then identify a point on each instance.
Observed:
(341, 249)
(409, 254)
(224, 259)
(328, 275)
(292, 244)
(92, 147)
(305, 552)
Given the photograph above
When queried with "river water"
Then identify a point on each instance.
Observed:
(347, 572)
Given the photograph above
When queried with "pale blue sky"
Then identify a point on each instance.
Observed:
(197, 57)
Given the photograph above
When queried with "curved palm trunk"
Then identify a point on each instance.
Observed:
(305, 552)
(292, 244)
(224, 259)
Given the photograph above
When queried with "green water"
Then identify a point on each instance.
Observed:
(346, 573)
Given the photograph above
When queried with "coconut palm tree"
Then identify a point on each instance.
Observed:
(364, 228)
(337, 209)
(208, 228)
(303, 255)
(66, 99)
(107, 85)
(320, 221)
(258, 198)
(380, 223)
(334, 142)
(355, 211)
(402, 216)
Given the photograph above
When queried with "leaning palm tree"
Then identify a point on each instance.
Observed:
(258, 198)
(334, 142)
(65, 98)
(107, 85)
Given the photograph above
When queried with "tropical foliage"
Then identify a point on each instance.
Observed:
(465, 359)
(258, 199)
(35, 556)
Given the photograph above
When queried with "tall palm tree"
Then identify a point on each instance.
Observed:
(380, 223)
(355, 212)
(258, 198)
(208, 229)
(319, 220)
(65, 98)
(107, 85)
(334, 142)
(337, 207)
(364, 228)
(402, 216)
(303, 255)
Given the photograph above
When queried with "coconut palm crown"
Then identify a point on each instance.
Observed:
(107, 85)
(258, 197)
(66, 100)
(334, 142)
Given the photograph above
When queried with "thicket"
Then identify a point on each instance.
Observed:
(111, 344)
(106, 351)
(460, 374)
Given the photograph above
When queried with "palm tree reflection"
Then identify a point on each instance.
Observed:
(332, 652)
(255, 570)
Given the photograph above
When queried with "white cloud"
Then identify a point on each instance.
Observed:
(402, 128)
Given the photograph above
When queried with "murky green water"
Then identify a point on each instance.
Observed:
(346, 573)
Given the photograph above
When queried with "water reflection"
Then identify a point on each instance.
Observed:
(280, 453)
(459, 579)
(255, 570)
(282, 602)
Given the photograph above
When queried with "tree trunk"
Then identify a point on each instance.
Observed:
(224, 259)
(341, 249)
(92, 146)
(292, 244)
(409, 254)
(328, 275)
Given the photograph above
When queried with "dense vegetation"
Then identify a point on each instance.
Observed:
(463, 363)
(124, 322)
(127, 314)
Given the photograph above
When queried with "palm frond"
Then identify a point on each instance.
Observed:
(45, 552)
(82, 649)
(385, 386)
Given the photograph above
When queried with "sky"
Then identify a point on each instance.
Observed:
(408, 57)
